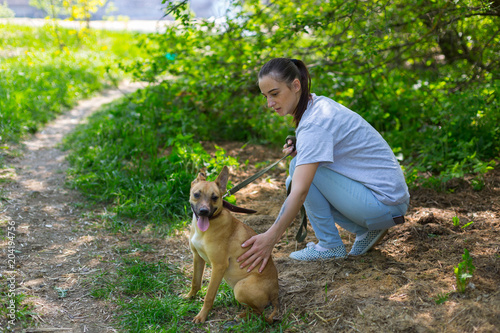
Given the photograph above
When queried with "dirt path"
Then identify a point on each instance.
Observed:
(61, 247)
(54, 249)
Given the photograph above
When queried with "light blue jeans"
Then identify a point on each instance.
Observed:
(334, 198)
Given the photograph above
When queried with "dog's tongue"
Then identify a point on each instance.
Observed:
(203, 223)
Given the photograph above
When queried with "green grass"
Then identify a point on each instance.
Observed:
(140, 160)
(15, 307)
(139, 155)
(464, 271)
(39, 79)
(149, 296)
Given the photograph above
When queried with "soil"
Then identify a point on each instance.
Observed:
(61, 247)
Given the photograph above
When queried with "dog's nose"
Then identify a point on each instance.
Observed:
(204, 212)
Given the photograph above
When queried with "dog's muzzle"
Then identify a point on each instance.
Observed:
(202, 216)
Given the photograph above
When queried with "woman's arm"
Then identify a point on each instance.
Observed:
(263, 244)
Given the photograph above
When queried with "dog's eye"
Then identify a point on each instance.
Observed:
(214, 197)
(196, 195)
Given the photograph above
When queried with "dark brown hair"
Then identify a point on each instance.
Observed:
(286, 70)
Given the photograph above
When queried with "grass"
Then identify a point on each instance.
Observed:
(140, 160)
(14, 307)
(138, 155)
(441, 298)
(39, 79)
(456, 223)
(149, 297)
(464, 271)
(146, 295)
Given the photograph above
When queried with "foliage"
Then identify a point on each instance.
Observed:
(53, 8)
(464, 271)
(441, 298)
(5, 11)
(78, 10)
(23, 311)
(456, 222)
(73, 10)
(38, 80)
(142, 157)
(82, 9)
(439, 112)
(467, 224)
(424, 73)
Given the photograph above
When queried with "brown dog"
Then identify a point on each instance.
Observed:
(216, 238)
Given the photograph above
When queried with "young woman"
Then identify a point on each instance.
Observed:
(343, 172)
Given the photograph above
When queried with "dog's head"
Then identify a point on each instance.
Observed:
(206, 197)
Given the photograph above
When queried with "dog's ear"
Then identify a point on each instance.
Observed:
(222, 179)
(201, 177)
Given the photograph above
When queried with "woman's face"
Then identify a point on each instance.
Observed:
(282, 98)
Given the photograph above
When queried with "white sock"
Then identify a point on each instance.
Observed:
(361, 237)
(320, 248)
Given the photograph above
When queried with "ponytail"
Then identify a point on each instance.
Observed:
(287, 70)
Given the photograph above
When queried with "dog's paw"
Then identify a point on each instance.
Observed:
(191, 294)
(200, 317)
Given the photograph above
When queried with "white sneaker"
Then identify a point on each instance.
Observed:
(310, 253)
(365, 242)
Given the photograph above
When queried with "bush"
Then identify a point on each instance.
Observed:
(397, 65)
(142, 156)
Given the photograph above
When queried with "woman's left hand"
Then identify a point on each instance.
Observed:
(289, 148)
(262, 247)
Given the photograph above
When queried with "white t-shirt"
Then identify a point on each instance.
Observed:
(344, 142)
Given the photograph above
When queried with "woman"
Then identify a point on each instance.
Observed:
(343, 172)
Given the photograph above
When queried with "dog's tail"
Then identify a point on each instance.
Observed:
(276, 306)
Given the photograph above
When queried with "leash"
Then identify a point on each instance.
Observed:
(254, 177)
(237, 209)
(302, 232)
(261, 172)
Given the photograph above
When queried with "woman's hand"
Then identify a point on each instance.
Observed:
(262, 245)
(261, 248)
(289, 147)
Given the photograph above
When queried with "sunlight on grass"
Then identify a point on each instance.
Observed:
(39, 79)
(149, 296)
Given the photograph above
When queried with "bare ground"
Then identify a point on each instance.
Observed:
(61, 247)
